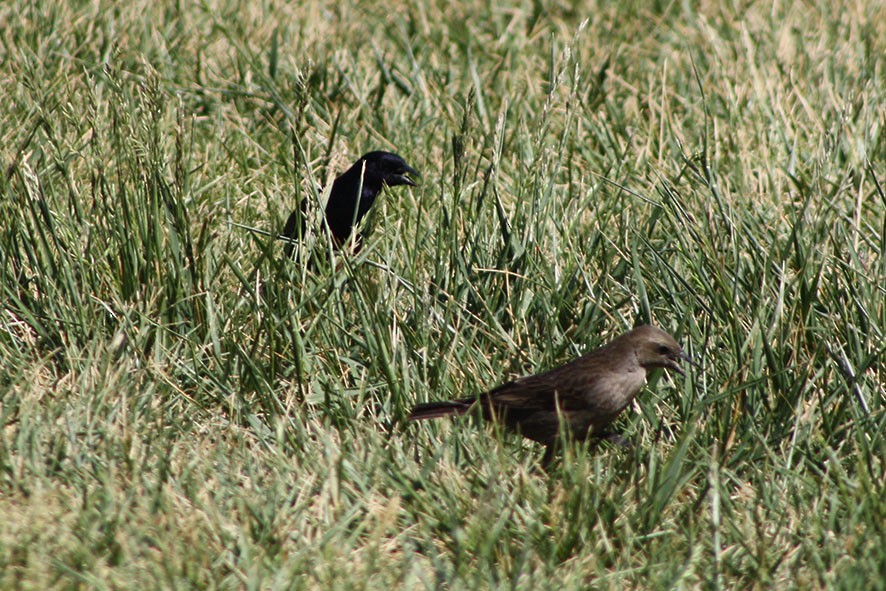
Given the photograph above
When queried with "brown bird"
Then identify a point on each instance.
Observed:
(584, 396)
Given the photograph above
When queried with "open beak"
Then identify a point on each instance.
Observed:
(672, 364)
(683, 356)
(674, 360)
(400, 178)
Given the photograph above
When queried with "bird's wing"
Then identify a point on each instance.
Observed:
(549, 391)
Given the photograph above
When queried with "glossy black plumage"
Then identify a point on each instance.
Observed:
(353, 194)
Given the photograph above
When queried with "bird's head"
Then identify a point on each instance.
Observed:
(656, 348)
(388, 168)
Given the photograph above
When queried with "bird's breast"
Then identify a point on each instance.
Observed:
(614, 391)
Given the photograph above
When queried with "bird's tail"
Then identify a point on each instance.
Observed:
(436, 410)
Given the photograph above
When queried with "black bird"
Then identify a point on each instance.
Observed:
(353, 194)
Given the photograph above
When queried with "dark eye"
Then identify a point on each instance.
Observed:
(663, 350)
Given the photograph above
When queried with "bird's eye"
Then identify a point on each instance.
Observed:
(663, 350)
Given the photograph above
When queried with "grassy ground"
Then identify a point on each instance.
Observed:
(181, 408)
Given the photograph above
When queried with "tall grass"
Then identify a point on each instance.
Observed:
(184, 407)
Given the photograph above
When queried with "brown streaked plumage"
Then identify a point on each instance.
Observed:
(584, 395)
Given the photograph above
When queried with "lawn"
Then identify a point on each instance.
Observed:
(184, 407)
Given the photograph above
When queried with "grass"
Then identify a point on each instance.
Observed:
(183, 408)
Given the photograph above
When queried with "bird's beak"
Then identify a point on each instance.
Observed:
(400, 178)
(681, 356)
(672, 364)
